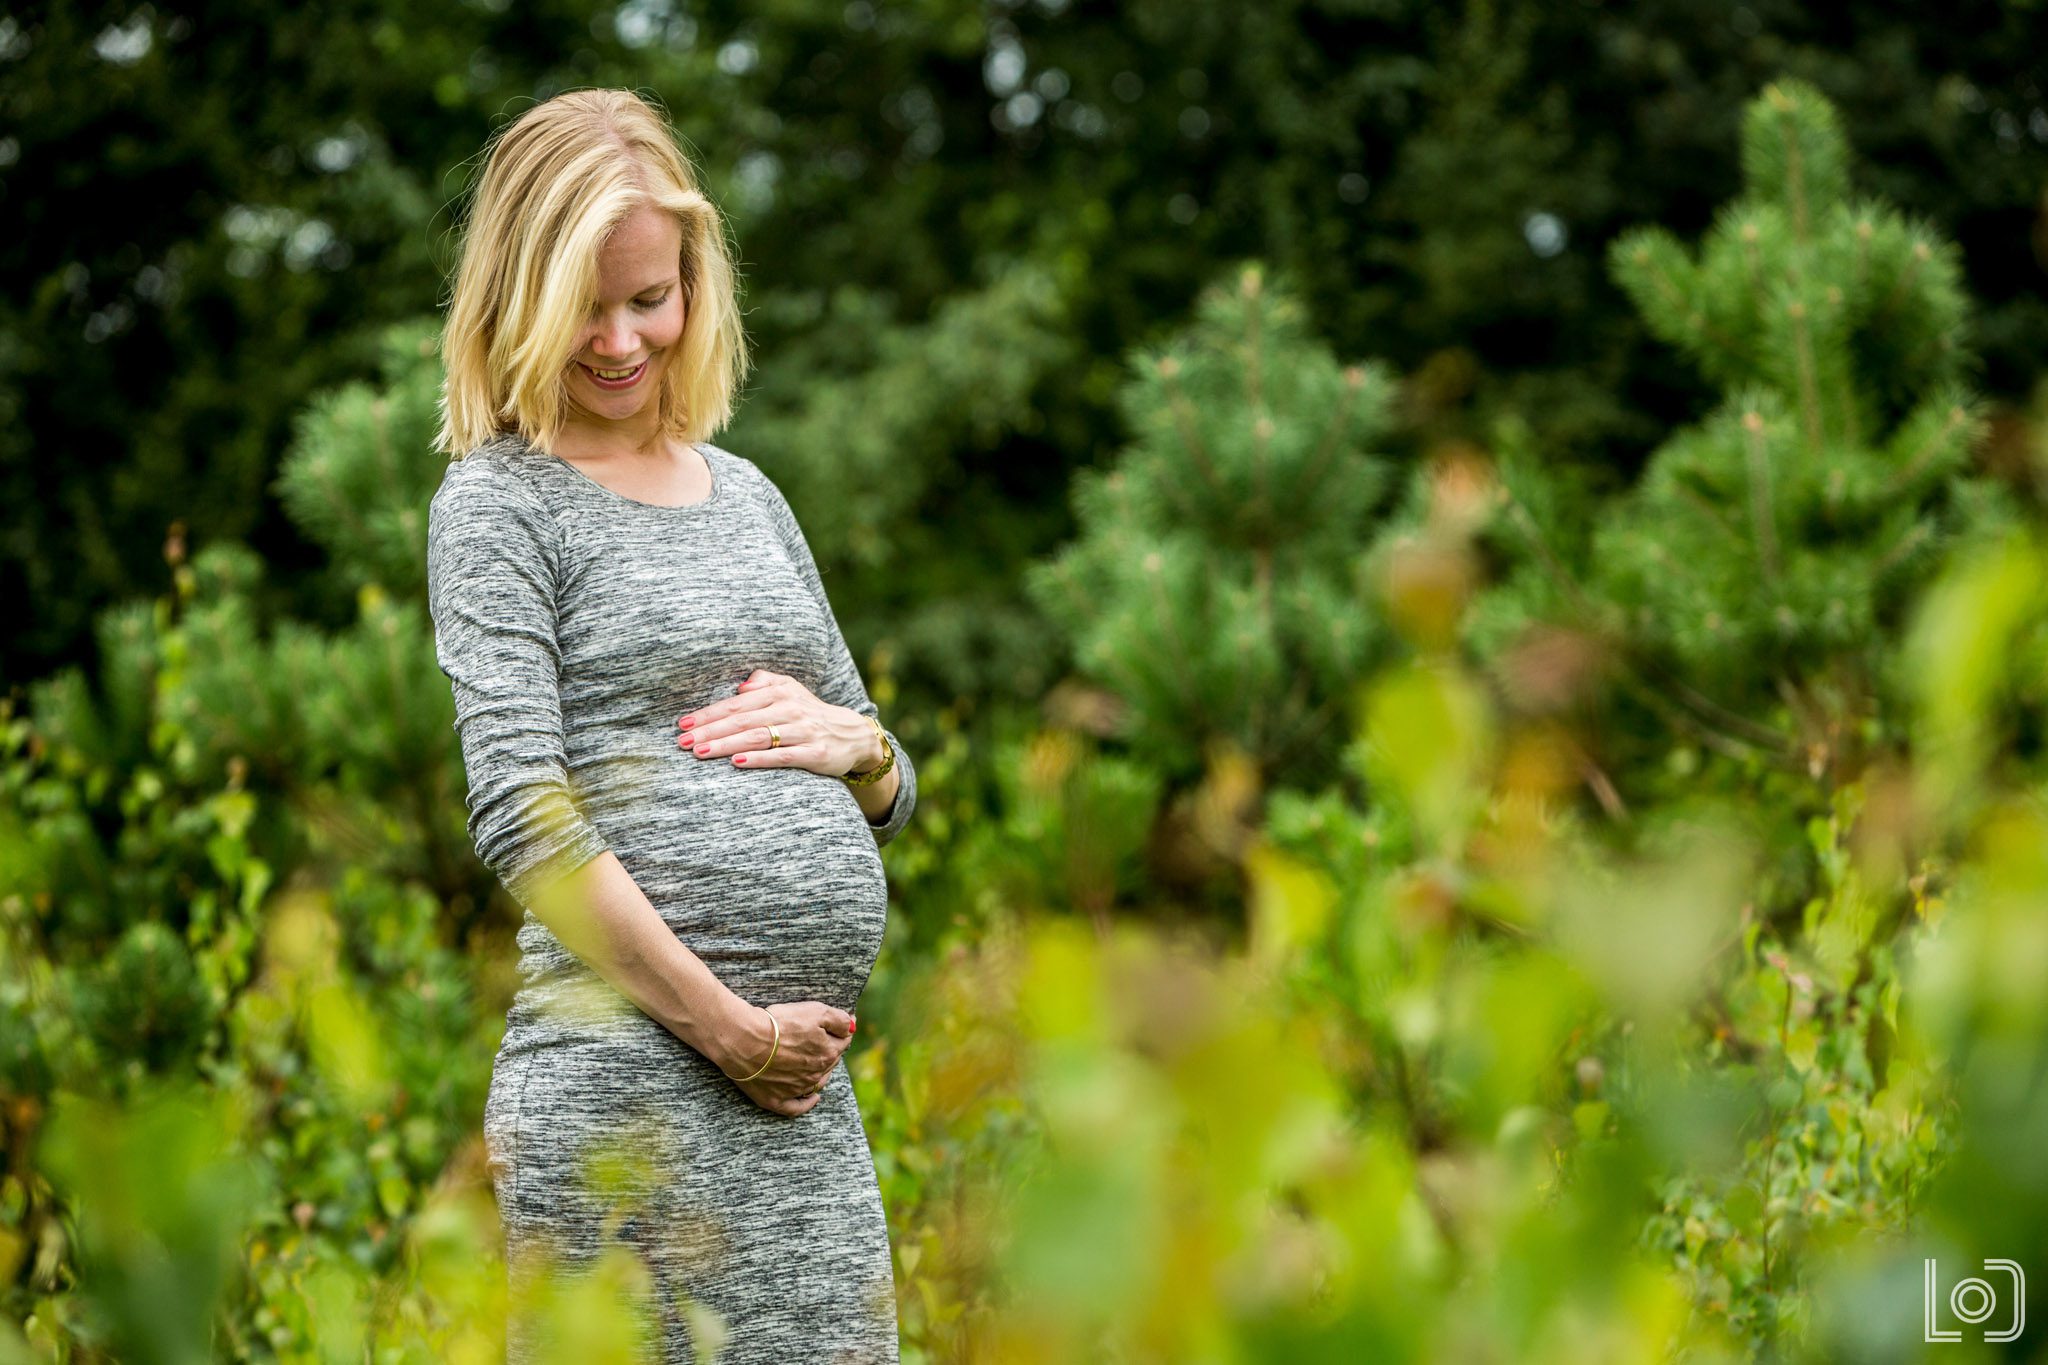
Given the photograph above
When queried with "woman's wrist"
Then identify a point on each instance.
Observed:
(741, 1041)
(875, 756)
(875, 765)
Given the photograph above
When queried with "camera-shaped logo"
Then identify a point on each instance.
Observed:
(1975, 1301)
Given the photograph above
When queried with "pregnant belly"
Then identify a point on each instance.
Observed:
(772, 876)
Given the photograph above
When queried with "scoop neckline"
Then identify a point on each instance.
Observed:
(710, 466)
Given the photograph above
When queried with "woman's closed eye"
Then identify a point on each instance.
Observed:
(645, 304)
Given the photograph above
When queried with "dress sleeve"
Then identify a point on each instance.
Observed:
(491, 566)
(842, 683)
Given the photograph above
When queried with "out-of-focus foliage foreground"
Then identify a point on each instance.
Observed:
(1506, 826)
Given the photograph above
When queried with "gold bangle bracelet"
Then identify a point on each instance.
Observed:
(873, 774)
(771, 1048)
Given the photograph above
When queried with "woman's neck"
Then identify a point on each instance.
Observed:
(629, 442)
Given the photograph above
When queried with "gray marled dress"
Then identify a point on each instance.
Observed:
(575, 625)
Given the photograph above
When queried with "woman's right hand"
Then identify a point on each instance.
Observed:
(814, 1035)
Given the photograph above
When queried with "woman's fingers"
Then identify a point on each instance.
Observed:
(748, 738)
(798, 1105)
(721, 720)
(811, 747)
(793, 1083)
(775, 1102)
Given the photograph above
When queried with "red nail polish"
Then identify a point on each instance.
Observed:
(739, 758)
(687, 722)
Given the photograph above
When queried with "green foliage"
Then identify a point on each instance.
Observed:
(863, 420)
(1565, 1006)
(1073, 826)
(1653, 1070)
(860, 417)
(360, 474)
(1783, 530)
(1975, 662)
(145, 1001)
(149, 813)
(1214, 582)
(1750, 586)
(162, 1198)
(1439, 183)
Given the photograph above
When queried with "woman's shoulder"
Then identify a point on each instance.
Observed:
(724, 461)
(497, 476)
(505, 460)
(500, 455)
(745, 473)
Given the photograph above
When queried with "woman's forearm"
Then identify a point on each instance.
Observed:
(600, 914)
(879, 796)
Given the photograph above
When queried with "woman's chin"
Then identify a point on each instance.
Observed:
(612, 407)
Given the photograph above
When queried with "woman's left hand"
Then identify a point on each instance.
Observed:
(814, 734)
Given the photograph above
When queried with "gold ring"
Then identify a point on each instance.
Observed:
(773, 738)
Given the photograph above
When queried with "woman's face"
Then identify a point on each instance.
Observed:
(630, 336)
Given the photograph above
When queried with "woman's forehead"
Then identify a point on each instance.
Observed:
(642, 251)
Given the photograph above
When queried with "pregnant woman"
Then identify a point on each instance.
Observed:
(674, 768)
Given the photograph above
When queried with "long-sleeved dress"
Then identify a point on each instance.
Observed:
(575, 625)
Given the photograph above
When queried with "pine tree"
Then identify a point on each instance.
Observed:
(1750, 586)
(1216, 579)
(352, 726)
(362, 470)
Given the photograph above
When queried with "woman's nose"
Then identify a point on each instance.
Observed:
(614, 340)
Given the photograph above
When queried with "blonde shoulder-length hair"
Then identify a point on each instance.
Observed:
(555, 182)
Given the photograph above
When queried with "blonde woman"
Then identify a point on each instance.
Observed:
(674, 766)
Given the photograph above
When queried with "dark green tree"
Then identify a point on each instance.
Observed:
(1215, 583)
(233, 867)
(216, 210)
(1750, 588)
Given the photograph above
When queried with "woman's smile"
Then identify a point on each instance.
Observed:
(615, 379)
